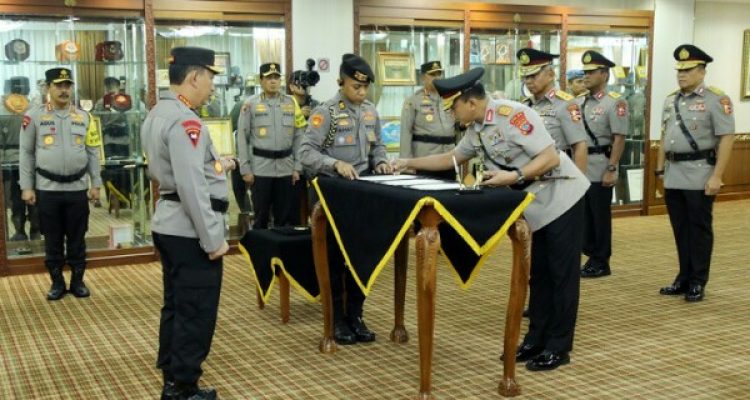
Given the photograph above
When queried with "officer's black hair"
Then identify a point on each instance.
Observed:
(474, 92)
(178, 72)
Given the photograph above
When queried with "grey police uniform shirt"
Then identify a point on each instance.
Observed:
(55, 140)
(356, 137)
(562, 117)
(708, 115)
(10, 129)
(423, 114)
(183, 160)
(606, 114)
(513, 135)
(268, 124)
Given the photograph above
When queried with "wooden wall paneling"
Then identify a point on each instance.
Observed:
(650, 164)
(467, 40)
(563, 52)
(148, 9)
(357, 24)
(288, 40)
(381, 12)
(243, 7)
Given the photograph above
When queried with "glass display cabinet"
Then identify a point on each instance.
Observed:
(107, 59)
(412, 46)
(240, 50)
(629, 78)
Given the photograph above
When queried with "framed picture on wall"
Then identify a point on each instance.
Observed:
(220, 130)
(390, 133)
(745, 91)
(396, 69)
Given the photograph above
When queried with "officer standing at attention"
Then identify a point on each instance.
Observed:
(697, 138)
(606, 120)
(576, 85)
(188, 224)
(269, 131)
(560, 113)
(518, 151)
(59, 147)
(425, 126)
(343, 139)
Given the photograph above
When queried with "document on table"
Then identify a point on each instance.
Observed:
(437, 186)
(385, 178)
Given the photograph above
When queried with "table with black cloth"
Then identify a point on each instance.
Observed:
(283, 253)
(371, 221)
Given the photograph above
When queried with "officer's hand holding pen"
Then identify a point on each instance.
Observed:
(499, 178)
(399, 165)
(383, 168)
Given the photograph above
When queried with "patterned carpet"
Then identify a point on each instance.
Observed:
(630, 342)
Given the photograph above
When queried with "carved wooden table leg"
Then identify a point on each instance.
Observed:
(320, 257)
(427, 245)
(284, 296)
(261, 305)
(520, 235)
(401, 260)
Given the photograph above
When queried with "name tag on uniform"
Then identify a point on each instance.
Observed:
(47, 123)
(599, 111)
(547, 113)
(260, 108)
(697, 107)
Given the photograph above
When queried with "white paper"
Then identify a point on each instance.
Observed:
(381, 178)
(438, 186)
(635, 184)
(412, 182)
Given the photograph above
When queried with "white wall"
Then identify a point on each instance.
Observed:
(718, 31)
(322, 29)
(673, 26)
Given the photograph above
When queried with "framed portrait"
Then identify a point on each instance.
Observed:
(220, 130)
(396, 69)
(505, 51)
(745, 93)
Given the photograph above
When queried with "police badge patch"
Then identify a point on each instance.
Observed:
(519, 121)
(193, 130)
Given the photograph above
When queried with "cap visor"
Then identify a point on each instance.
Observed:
(62, 80)
(272, 73)
(687, 65)
(215, 70)
(592, 67)
(434, 70)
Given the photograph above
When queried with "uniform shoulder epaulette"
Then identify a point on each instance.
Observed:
(563, 95)
(615, 95)
(716, 91)
(368, 103)
(582, 94)
(674, 93)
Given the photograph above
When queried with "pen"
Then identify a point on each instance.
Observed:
(455, 166)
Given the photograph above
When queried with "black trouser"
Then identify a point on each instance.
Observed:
(64, 219)
(192, 284)
(18, 207)
(555, 281)
(240, 191)
(278, 193)
(690, 213)
(597, 242)
(344, 289)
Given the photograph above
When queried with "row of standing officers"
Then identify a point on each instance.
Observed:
(544, 146)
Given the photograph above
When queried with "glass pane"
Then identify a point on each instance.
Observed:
(628, 79)
(240, 49)
(423, 44)
(495, 50)
(94, 50)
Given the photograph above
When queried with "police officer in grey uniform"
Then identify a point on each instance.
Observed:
(697, 138)
(343, 139)
(59, 147)
(561, 114)
(605, 118)
(518, 151)
(269, 131)
(576, 85)
(426, 128)
(188, 224)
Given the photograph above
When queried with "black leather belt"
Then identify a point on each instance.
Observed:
(434, 139)
(61, 178)
(217, 205)
(709, 154)
(604, 149)
(275, 154)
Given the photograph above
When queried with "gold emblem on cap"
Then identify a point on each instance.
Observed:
(435, 65)
(524, 58)
(273, 67)
(63, 73)
(684, 54)
(360, 76)
(587, 58)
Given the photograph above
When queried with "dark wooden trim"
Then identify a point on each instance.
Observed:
(150, 52)
(564, 52)
(288, 37)
(648, 167)
(356, 30)
(628, 210)
(467, 40)
(3, 250)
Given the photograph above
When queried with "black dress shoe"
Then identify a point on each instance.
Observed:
(194, 392)
(360, 330)
(526, 352)
(56, 291)
(169, 391)
(674, 289)
(548, 361)
(695, 293)
(342, 334)
(596, 272)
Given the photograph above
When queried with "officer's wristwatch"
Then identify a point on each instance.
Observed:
(521, 179)
(611, 168)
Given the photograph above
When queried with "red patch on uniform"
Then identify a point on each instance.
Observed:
(316, 120)
(519, 121)
(193, 130)
(489, 115)
(26, 121)
(622, 109)
(727, 104)
(575, 112)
